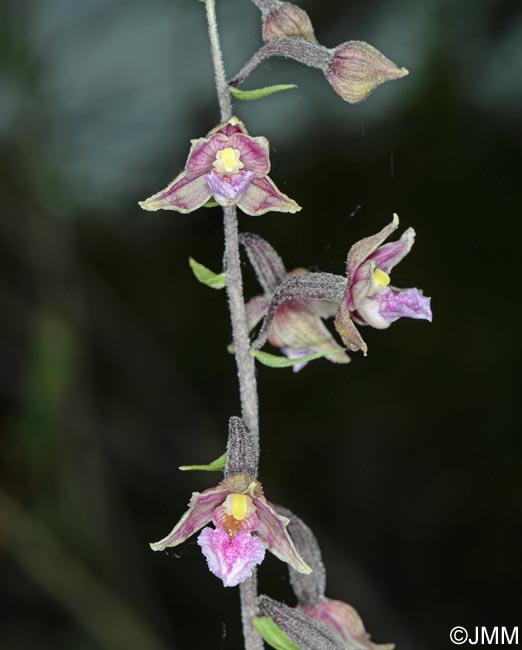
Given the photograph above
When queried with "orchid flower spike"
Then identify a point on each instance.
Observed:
(245, 523)
(341, 618)
(297, 328)
(229, 165)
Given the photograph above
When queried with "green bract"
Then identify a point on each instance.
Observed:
(206, 276)
(217, 465)
(273, 635)
(259, 93)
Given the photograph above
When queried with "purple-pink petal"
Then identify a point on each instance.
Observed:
(360, 285)
(228, 189)
(272, 532)
(203, 154)
(231, 560)
(405, 303)
(389, 255)
(262, 196)
(253, 153)
(201, 508)
(183, 195)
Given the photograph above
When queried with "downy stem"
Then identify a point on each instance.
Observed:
(244, 360)
(225, 102)
(298, 49)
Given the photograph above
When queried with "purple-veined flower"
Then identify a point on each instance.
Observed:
(365, 296)
(297, 328)
(370, 298)
(245, 523)
(229, 165)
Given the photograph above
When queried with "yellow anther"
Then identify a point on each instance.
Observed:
(239, 506)
(228, 161)
(380, 277)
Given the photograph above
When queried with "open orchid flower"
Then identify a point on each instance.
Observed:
(339, 617)
(245, 523)
(297, 328)
(369, 298)
(229, 165)
(365, 296)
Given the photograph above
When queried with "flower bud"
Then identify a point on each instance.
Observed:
(345, 622)
(357, 68)
(305, 631)
(287, 21)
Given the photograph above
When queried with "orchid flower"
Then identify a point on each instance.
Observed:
(365, 296)
(369, 298)
(297, 328)
(229, 165)
(245, 523)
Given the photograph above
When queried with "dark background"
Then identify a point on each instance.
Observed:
(113, 368)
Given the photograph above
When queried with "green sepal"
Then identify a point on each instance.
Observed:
(206, 276)
(217, 465)
(209, 204)
(273, 635)
(259, 93)
(277, 361)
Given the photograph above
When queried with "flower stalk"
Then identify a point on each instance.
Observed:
(244, 361)
(298, 49)
(224, 99)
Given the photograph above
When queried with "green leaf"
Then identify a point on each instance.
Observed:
(272, 635)
(251, 95)
(277, 361)
(217, 465)
(206, 276)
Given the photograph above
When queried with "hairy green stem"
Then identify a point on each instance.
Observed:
(244, 360)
